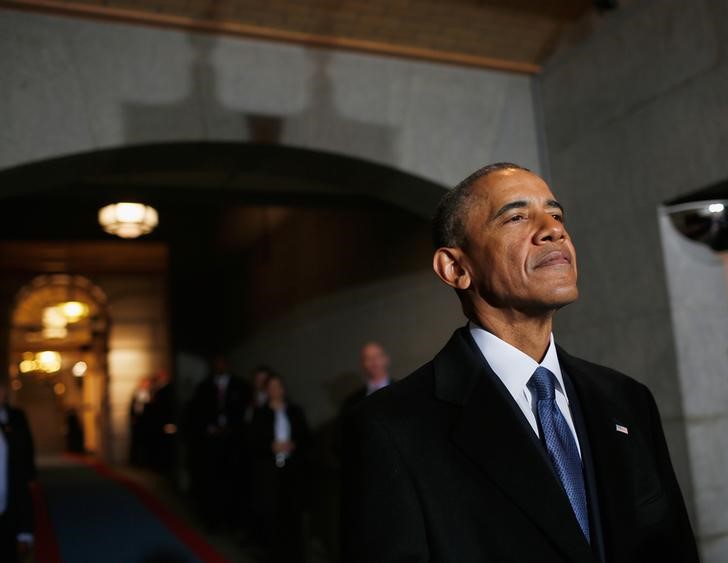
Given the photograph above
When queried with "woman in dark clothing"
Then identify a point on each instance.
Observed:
(280, 438)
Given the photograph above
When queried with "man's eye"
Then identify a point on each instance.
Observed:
(559, 217)
(516, 218)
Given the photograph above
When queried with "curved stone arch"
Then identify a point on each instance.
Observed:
(72, 286)
(248, 171)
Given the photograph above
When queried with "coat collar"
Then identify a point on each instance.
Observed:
(493, 433)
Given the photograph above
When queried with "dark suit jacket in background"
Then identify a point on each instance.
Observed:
(262, 434)
(358, 396)
(203, 410)
(18, 516)
(353, 399)
(444, 468)
(217, 461)
(280, 494)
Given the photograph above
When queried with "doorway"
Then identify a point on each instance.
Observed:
(58, 368)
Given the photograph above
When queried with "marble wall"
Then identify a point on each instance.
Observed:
(72, 85)
(635, 116)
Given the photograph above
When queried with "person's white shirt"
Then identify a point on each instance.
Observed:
(373, 386)
(221, 382)
(281, 432)
(514, 368)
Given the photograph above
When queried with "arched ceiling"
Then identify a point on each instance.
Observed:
(235, 172)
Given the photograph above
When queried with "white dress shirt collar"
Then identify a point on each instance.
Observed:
(512, 366)
(373, 386)
(222, 380)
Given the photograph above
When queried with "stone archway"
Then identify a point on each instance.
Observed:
(249, 171)
(58, 362)
(190, 175)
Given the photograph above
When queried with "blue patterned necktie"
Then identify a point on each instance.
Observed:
(560, 444)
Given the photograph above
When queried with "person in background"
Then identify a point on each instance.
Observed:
(258, 400)
(260, 377)
(216, 423)
(162, 423)
(138, 423)
(17, 471)
(74, 432)
(280, 439)
(375, 369)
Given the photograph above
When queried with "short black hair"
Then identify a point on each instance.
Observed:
(448, 223)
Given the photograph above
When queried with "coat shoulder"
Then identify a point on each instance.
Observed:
(609, 380)
(402, 399)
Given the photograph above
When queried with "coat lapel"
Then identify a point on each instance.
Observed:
(493, 433)
(600, 420)
(577, 414)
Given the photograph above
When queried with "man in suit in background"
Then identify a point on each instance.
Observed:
(216, 426)
(375, 369)
(17, 470)
(504, 448)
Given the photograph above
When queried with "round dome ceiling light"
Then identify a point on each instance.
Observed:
(128, 220)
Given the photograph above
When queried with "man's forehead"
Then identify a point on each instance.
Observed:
(372, 347)
(512, 184)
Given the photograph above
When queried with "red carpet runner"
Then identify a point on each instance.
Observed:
(53, 509)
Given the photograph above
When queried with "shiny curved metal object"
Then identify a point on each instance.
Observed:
(702, 221)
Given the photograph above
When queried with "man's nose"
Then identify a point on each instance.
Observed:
(550, 229)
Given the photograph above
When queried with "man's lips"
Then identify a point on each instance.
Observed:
(553, 258)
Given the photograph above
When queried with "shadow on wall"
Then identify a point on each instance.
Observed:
(390, 296)
(204, 102)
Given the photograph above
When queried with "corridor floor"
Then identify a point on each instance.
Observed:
(87, 513)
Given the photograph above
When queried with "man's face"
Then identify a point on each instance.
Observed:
(517, 250)
(275, 389)
(260, 379)
(374, 362)
(219, 365)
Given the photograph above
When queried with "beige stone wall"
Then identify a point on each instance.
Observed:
(138, 346)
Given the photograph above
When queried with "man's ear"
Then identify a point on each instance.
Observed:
(449, 265)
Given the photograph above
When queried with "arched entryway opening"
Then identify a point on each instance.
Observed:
(275, 255)
(58, 369)
(255, 233)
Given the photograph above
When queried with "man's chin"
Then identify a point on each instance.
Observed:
(565, 297)
(552, 302)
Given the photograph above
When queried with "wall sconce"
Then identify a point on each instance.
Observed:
(128, 220)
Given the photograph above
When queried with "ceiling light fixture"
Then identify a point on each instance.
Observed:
(74, 311)
(128, 220)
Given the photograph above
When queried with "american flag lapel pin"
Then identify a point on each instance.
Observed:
(620, 428)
